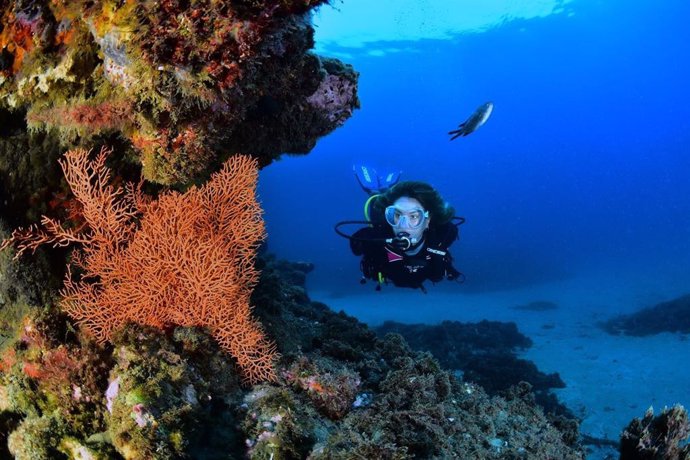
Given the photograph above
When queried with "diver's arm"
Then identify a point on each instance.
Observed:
(447, 234)
(451, 272)
(442, 261)
(442, 268)
(366, 240)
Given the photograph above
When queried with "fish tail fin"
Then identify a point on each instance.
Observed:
(456, 133)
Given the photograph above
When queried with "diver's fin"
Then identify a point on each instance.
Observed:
(373, 183)
(389, 180)
(366, 177)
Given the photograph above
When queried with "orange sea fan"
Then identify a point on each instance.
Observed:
(185, 258)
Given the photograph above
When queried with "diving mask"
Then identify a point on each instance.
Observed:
(397, 217)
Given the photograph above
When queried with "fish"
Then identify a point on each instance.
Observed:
(477, 119)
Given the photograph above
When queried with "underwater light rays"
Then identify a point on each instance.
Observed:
(360, 24)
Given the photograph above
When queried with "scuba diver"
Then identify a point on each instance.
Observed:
(408, 233)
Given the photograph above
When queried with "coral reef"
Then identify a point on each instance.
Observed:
(184, 84)
(662, 436)
(420, 411)
(484, 353)
(177, 87)
(670, 316)
(341, 392)
(52, 380)
(149, 395)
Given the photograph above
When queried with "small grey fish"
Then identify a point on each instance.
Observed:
(475, 120)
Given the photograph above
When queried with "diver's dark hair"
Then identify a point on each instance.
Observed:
(440, 212)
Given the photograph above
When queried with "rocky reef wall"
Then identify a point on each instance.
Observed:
(178, 85)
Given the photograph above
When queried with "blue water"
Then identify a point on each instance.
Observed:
(576, 191)
(583, 166)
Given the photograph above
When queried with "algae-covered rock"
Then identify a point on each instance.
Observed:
(484, 353)
(277, 424)
(52, 388)
(184, 83)
(421, 411)
(330, 386)
(36, 438)
(26, 291)
(29, 172)
(162, 393)
(45, 438)
(84, 450)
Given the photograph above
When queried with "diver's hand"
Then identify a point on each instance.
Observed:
(452, 274)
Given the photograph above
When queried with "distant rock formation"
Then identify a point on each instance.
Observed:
(537, 305)
(671, 316)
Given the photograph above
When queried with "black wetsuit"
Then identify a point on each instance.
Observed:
(381, 261)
